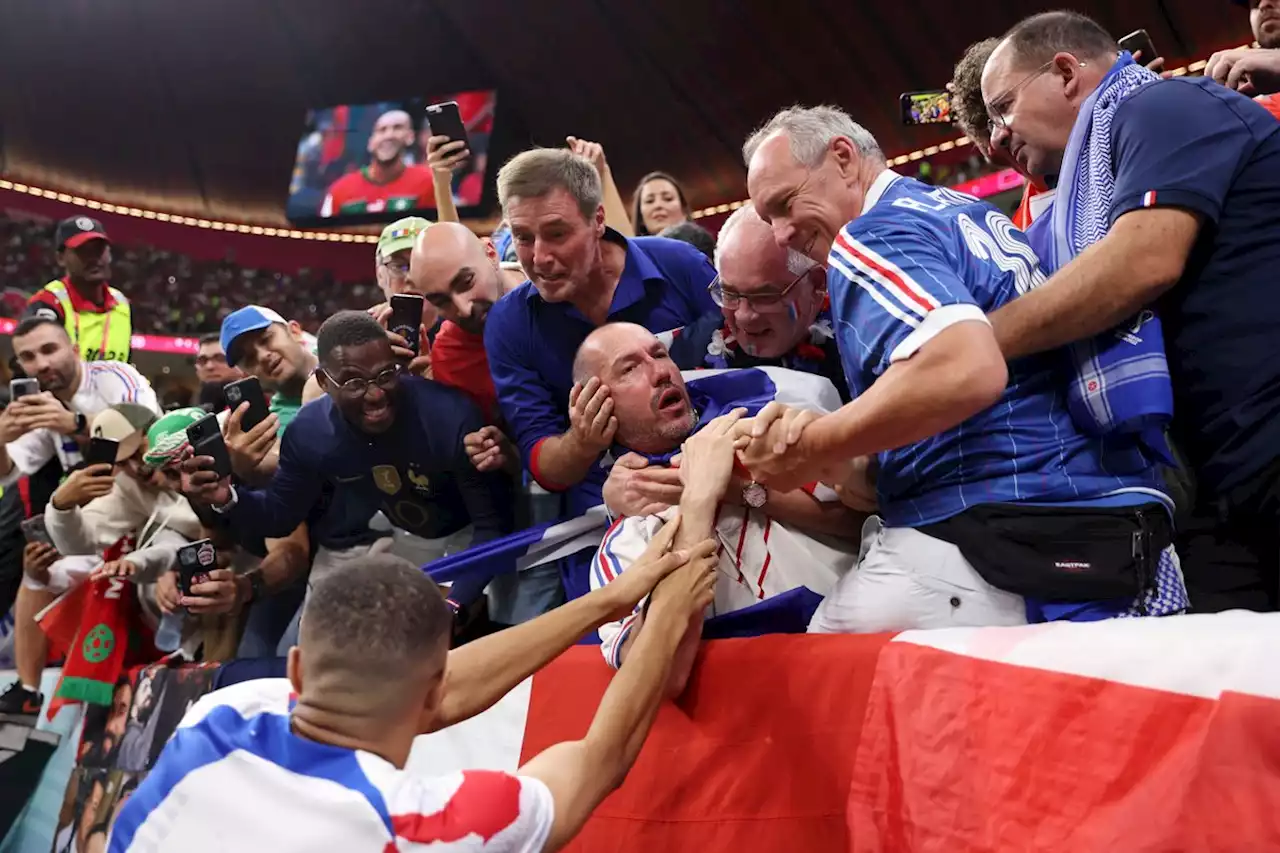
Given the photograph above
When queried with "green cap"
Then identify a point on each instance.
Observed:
(401, 234)
(168, 436)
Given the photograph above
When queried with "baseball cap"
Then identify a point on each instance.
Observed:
(77, 231)
(167, 437)
(401, 234)
(251, 318)
(125, 423)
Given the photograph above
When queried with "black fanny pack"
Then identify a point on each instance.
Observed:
(1061, 553)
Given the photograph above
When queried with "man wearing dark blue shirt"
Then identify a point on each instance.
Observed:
(381, 440)
(1190, 232)
(582, 275)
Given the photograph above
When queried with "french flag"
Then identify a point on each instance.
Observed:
(1127, 735)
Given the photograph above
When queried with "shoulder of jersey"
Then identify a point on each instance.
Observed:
(248, 699)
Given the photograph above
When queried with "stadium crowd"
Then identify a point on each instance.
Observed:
(172, 293)
(871, 404)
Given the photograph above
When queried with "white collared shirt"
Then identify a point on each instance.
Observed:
(102, 384)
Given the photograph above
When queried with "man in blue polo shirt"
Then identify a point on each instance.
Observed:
(582, 275)
(1189, 231)
(381, 441)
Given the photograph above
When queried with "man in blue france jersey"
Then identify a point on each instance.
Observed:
(984, 477)
(381, 441)
(582, 275)
(1184, 231)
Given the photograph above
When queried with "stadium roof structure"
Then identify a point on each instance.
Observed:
(196, 108)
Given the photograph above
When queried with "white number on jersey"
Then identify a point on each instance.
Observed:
(998, 244)
(942, 199)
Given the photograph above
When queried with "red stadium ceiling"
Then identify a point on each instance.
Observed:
(197, 107)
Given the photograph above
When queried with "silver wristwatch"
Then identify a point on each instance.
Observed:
(754, 495)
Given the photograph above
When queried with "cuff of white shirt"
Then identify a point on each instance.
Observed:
(935, 323)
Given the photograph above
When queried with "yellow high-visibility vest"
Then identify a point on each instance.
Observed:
(100, 337)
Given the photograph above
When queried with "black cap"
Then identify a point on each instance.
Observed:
(77, 231)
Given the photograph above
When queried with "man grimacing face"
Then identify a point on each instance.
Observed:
(649, 397)
(558, 247)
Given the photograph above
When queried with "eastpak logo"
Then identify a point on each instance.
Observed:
(1072, 566)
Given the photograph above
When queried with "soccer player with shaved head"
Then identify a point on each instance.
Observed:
(317, 761)
(389, 183)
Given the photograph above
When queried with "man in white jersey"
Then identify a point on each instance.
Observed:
(316, 762)
(55, 422)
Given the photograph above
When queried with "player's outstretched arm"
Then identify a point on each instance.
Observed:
(580, 774)
(483, 671)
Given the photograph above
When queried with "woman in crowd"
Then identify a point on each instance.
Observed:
(658, 204)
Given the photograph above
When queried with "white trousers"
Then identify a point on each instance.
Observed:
(906, 580)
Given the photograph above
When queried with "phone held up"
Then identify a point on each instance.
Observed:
(205, 436)
(929, 107)
(23, 387)
(445, 120)
(247, 390)
(1140, 45)
(34, 529)
(406, 319)
(195, 561)
(102, 451)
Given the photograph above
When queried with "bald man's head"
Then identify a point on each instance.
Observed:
(649, 398)
(456, 272)
(392, 135)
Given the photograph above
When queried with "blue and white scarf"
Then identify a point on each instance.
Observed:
(1122, 377)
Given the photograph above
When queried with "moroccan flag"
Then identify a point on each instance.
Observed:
(1128, 735)
(111, 637)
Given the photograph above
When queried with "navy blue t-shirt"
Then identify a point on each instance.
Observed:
(531, 342)
(1193, 144)
(417, 473)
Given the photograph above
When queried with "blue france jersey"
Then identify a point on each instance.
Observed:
(920, 259)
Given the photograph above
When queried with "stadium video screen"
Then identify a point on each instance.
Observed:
(359, 163)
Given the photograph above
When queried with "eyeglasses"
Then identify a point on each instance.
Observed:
(216, 358)
(759, 302)
(997, 107)
(359, 386)
(400, 268)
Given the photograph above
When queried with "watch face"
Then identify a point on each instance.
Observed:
(755, 495)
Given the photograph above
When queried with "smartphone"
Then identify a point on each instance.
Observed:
(247, 390)
(1136, 41)
(195, 561)
(445, 120)
(931, 107)
(205, 436)
(102, 451)
(33, 528)
(406, 319)
(23, 387)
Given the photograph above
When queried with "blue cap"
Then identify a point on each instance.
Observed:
(251, 318)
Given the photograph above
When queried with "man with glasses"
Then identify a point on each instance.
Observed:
(213, 372)
(995, 506)
(1175, 220)
(379, 440)
(391, 267)
(774, 312)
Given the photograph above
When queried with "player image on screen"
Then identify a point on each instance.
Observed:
(389, 183)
